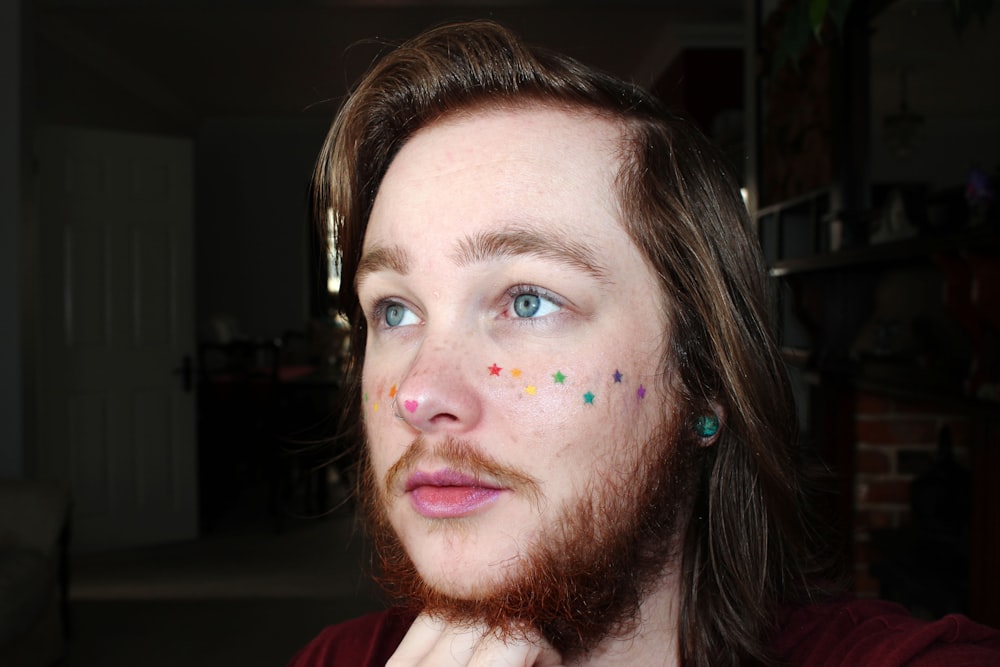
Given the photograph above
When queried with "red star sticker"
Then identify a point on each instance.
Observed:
(495, 370)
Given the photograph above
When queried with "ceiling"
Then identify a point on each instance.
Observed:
(192, 60)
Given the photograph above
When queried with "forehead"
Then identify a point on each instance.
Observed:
(523, 131)
(524, 165)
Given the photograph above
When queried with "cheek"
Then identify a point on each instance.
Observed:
(377, 393)
(376, 398)
(543, 399)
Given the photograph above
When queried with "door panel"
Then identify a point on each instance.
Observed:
(114, 420)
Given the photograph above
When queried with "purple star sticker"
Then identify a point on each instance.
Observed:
(641, 392)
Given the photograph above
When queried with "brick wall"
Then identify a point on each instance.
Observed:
(897, 441)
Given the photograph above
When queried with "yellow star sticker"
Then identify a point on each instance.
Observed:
(530, 390)
(375, 407)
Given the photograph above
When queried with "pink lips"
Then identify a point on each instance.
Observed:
(448, 494)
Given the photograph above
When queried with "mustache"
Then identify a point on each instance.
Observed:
(462, 456)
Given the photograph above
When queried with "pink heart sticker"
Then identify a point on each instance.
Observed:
(411, 406)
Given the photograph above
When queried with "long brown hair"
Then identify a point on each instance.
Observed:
(748, 548)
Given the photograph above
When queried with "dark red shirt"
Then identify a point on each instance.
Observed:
(857, 633)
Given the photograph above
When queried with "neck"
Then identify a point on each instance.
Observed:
(654, 642)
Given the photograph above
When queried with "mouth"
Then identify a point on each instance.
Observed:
(449, 494)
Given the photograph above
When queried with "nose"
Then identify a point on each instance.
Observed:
(436, 394)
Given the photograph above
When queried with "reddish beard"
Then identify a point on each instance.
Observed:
(586, 577)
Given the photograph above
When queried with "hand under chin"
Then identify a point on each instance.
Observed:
(432, 642)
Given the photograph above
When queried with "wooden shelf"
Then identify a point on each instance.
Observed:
(957, 401)
(915, 249)
(808, 199)
(901, 378)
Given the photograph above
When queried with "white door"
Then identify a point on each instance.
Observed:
(115, 418)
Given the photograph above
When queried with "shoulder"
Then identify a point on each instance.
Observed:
(874, 632)
(361, 642)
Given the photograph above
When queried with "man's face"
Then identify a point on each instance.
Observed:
(518, 332)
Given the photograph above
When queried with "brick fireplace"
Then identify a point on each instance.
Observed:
(898, 441)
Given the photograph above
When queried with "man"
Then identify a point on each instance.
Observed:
(580, 444)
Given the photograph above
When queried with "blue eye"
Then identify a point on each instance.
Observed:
(396, 314)
(530, 304)
(527, 305)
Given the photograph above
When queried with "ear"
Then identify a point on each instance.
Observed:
(708, 426)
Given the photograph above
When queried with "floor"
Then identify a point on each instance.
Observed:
(243, 596)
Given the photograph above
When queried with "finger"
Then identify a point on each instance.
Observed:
(531, 651)
(431, 642)
(455, 646)
(548, 657)
(419, 640)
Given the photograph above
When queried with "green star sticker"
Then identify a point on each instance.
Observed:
(588, 398)
(558, 377)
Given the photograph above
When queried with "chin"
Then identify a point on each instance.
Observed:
(458, 587)
(467, 571)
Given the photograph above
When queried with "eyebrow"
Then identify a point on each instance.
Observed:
(523, 241)
(490, 246)
(382, 258)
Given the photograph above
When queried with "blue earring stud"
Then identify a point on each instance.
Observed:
(707, 425)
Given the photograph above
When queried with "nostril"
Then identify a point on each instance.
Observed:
(444, 417)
